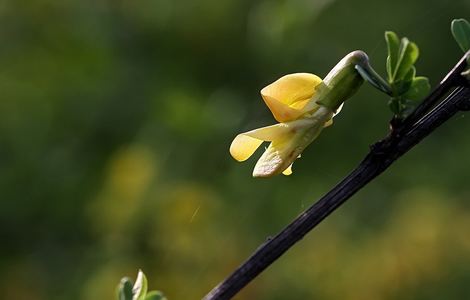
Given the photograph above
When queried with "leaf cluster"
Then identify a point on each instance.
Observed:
(138, 291)
(407, 89)
(461, 31)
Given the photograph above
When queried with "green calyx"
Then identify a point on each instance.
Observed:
(405, 89)
(342, 81)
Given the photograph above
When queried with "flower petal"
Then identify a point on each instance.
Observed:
(289, 94)
(288, 171)
(245, 144)
(292, 88)
(281, 111)
(274, 160)
(282, 152)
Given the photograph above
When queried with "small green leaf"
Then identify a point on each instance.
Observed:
(140, 287)
(410, 75)
(461, 31)
(155, 295)
(393, 46)
(401, 86)
(408, 55)
(125, 289)
(419, 89)
(389, 69)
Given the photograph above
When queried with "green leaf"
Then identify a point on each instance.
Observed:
(419, 89)
(401, 86)
(393, 46)
(410, 75)
(125, 289)
(140, 287)
(408, 55)
(155, 295)
(461, 31)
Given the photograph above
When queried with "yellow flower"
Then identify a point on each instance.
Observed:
(304, 105)
(287, 98)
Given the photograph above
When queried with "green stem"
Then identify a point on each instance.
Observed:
(369, 75)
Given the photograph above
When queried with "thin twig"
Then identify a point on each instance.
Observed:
(424, 120)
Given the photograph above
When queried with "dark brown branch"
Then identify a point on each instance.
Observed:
(452, 79)
(426, 118)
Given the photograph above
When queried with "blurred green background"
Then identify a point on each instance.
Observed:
(115, 123)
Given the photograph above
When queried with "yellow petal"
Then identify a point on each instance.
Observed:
(282, 152)
(245, 144)
(288, 171)
(281, 111)
(287, 96)
(292, 88)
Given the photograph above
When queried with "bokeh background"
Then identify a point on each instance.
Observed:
(115, 122)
